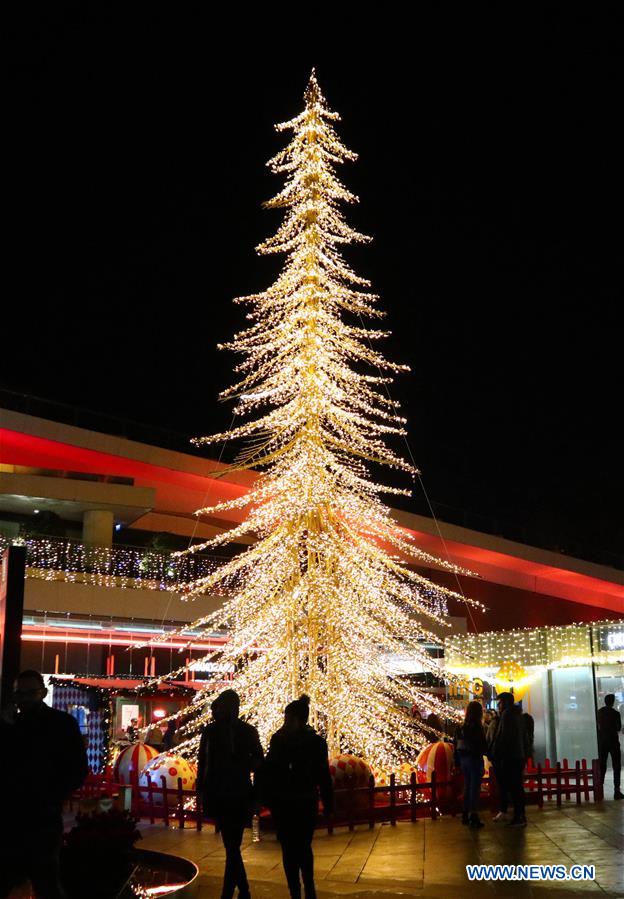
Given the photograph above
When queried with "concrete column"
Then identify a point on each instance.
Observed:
(97, 527)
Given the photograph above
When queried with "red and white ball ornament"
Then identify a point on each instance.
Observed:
(436, 757)
(349, 771)
(171, 767)
(130, 762)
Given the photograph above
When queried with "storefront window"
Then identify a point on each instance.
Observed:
(572, 715)
(610, 679)
(81, 714)
(561, 699)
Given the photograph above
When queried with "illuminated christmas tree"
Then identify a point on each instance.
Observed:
(325, 593)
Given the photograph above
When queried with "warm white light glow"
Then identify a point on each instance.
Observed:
(326, 590)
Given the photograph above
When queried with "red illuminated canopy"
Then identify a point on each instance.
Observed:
(185, 492)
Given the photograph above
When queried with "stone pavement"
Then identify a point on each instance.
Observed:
(426, 859)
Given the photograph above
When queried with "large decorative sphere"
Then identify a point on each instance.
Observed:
(171, 767)
(436, 757)
(349, 771)
(382, 777)
(405, 772)
(510, 676)
(130, 762)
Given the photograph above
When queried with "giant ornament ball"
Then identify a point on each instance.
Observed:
(131, 761)
(436, 757)
(172, 768)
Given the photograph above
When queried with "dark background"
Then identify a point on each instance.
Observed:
(489, 176)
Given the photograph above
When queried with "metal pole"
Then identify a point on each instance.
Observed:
(593, 671)
(12, 574)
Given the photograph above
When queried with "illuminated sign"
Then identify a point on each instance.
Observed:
(615, 640)
(211, 667)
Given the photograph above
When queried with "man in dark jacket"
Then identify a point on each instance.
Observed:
(229, 752)
(44, 750)
(508, 754)
(295, 772)
(609, 727)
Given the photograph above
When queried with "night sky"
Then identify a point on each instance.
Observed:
(489, 176)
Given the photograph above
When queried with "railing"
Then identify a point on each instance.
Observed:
(371, 804)
(561, 780)
(50, 558)
(145, 800)
(415, 800)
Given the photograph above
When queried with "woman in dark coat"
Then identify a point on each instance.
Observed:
(470, 747)
(296, 770)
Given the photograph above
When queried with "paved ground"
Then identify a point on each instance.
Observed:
(426, 859)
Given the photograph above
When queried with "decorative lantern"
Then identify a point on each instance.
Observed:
(171, 767)
(512, 677)
(131, 761)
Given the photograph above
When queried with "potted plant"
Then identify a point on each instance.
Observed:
(97, 857)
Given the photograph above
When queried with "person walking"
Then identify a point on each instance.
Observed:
(296, 770)
(609, 726)
(229, 753)
(508, 754)
(44, 750)
(470, 747)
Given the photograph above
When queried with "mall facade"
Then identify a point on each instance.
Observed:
(561, 675)
(100, 516)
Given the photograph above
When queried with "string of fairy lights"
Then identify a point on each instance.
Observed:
(54, 559)
(538, 649)
(326, 591)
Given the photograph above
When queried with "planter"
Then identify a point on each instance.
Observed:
(119, 878)
(99, 875)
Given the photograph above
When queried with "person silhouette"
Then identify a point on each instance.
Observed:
(229, 752)
(170, 738)
(40, 781)
(470, 747)
(296, 770)
(508, 752)
(609, 726)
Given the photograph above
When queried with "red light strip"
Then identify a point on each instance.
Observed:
(178, 492)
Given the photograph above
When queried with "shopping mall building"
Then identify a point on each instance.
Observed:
(101, 514)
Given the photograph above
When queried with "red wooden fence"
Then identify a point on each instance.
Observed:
(369, 804)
